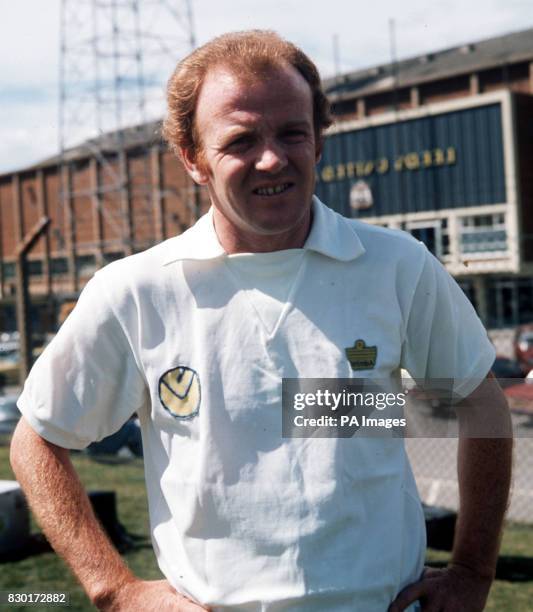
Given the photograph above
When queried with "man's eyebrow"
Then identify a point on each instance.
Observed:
(296, 123)
(238, 129)
(243, 129)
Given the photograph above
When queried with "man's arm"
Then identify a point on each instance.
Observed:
(64, 512)
(484, 474)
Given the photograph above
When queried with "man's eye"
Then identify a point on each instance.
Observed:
(295, 135)
(240, 142)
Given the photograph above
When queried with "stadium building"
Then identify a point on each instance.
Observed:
(441, 145)
(95, 217)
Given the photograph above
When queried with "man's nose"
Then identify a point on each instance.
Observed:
(271, 158)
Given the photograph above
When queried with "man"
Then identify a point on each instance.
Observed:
(196, 334)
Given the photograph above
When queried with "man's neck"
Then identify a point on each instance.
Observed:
(234, 240)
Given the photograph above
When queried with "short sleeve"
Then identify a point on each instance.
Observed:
(444, 338)
(87, 382)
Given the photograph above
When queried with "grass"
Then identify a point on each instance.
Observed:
(506, 595)
(47, 572)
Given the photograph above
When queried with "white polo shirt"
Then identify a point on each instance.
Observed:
(241, 518)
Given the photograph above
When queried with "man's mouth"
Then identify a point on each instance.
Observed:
(274, 190)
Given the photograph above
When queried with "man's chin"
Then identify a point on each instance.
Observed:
(277, 227)
(280, 220)
(285, 226)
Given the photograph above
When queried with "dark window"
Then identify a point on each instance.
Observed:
(509, 301)
(427, 236)
(343, 108)
(86, 264)
(501, 303)
(8, 269)
(433, 233)
(525, 300)
(483, 233)
(58, 266)
(35, 267)
(469, 290)
(109, 257)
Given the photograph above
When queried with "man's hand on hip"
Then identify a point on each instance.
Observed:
(146, 595)
(453, 589)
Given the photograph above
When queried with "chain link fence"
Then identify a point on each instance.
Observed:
(434, 462)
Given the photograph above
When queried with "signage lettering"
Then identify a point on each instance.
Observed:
(438, 157)
(451, 157)
(350, 170)
(341, 171)
(427, 159)
(413, 160)
(383, 165)
(327, 174)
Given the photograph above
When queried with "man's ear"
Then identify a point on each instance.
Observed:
(194, 169)
(318, 149)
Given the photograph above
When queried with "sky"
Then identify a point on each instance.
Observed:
(30, 43)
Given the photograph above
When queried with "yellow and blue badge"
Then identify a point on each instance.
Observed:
(179, 392)
(361, 356)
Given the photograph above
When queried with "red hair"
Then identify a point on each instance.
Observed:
(250, 55)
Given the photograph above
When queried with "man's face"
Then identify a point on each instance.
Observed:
(257, 158)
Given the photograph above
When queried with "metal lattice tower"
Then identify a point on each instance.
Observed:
(115, 59)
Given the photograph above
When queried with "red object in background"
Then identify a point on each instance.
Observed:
(524, 347)
(520, 397)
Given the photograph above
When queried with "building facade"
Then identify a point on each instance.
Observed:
(94, 220)
(439, 145)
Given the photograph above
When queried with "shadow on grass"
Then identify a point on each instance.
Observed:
(510, 568)
(37, 544)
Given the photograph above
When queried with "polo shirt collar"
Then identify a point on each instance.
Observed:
(331, 234)
(199, 242)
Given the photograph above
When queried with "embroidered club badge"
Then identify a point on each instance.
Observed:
(179, 392)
